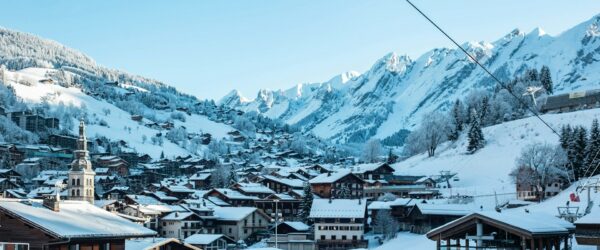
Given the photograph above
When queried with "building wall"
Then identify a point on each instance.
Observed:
(339, 230)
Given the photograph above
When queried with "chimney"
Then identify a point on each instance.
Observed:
(52, 202)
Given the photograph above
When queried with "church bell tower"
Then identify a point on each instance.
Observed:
(81, 176)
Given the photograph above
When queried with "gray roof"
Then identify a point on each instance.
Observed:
(571, 100)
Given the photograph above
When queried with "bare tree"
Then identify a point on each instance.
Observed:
(386, 224)
(372, 151)
(539, 165)
(433, 130)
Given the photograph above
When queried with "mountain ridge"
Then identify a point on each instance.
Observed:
(397, 90)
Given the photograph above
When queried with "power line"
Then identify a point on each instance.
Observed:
(485, 69)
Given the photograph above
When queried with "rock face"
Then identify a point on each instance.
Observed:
(397, 90)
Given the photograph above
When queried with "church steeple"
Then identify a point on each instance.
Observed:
(81, 175)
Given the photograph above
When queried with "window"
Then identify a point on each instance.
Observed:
(343, 237)
(74, 247)
(78, 182)
(230, 230)
(354, 237)
(333, 237)
(322, 237)
(72, 182)
(105, 246)
(245, 231)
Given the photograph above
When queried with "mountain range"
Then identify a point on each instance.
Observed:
(397, 90)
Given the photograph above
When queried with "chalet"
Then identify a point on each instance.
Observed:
(10, 175)
(54, 224)
(528, 191)
(340, 184)
(7, 184)
(424, 217)
(287, 206)
(506, 230)
(231, 196)
(339, 223)
(178, 191)
(11, 155)
(209, 241)
(32, 122)
(180, 225)
(281, 185)
(116, 193)
(64, 141)
(241, 223)
(115, 164)
(158, 244)
(201, 180)
(373, 171)
(571, 101)
(404, 179)
(292, 235)
(253, 189)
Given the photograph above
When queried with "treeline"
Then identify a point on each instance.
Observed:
(480, 108)
(582, 147)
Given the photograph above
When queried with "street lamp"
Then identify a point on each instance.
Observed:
(276, 222)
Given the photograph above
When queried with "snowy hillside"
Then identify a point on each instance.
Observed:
(27, 86)
(487, 171)
(397, 90)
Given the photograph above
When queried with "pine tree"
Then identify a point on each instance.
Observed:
(565, 136)
(457, 120)
(593, 149)
(532, 75)
(232, 176)
(306, 203)
(162, 154)
(392, 158)
(546, 79)
(476, 140)
(576, 151)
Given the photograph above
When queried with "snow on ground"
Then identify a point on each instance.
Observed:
(117, 119)
(486, 172)
(404, 240)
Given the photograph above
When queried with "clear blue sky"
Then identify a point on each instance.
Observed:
(208, 48)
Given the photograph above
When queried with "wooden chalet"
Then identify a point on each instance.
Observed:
(281, 185)
(54, 224)
(340, 184)
(232, 197)
(506, 230)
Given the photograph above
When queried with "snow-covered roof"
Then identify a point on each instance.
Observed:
(338, 208)
(289, 182)
(533, 223)
(202, 239)
(176, 216)
(297, 225)
(330, 177)
(445, 209)
(361, 168)
(234, 194)
(254, 188)
(75, 219)
(151, 243)
(143, 199)
(233, 213)
(592, 218)
(200, 176)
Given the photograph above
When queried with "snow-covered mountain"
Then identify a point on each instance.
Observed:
(132, 112)
(397, 90)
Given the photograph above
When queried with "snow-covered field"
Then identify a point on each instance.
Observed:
(486, 172)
